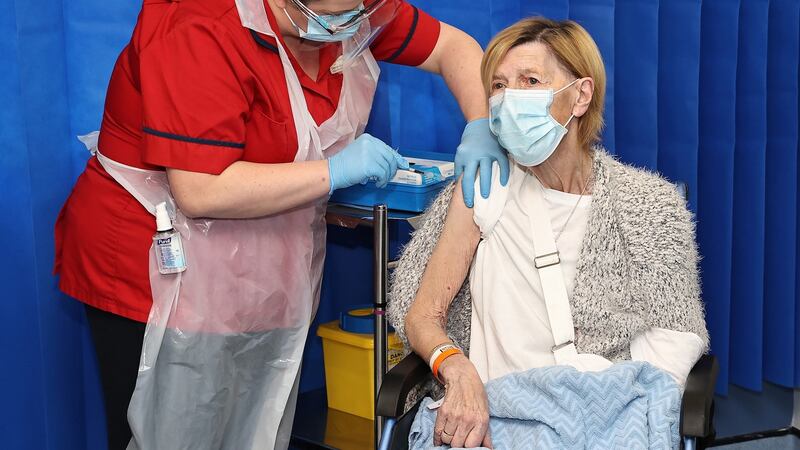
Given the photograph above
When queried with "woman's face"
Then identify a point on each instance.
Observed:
(533, 66)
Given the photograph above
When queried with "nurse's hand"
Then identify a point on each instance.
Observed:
(463, 418)
(479, 149)
(367, 158)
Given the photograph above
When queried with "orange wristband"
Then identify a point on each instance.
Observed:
(444, 355)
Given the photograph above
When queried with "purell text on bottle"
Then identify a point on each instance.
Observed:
(167, 243)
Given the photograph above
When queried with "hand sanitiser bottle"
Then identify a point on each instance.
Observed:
(168, 244)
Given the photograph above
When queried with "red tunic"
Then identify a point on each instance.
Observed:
(193, 90)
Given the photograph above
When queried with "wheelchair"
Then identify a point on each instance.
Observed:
(697, 406)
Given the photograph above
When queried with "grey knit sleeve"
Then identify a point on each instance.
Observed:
(666, 273)
(405, 280)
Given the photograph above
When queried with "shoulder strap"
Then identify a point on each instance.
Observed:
(548, 265)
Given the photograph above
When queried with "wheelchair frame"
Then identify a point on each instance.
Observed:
(697, 406)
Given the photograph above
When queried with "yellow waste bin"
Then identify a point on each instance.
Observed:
(349, 367)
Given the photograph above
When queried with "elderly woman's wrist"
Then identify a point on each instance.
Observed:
(439, 355)
(454, 367)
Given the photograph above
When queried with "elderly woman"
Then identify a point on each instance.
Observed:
(579, 260)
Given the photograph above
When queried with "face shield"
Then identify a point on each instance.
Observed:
(354, 29)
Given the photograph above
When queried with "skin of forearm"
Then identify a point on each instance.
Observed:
(457, 58)
(447, 269)
(248, 190)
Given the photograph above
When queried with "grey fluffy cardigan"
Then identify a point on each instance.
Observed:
(638, 266)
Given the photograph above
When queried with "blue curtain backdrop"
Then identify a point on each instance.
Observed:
(705, 92)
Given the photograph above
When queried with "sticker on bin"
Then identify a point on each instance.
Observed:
(393, 357)
(422, 172)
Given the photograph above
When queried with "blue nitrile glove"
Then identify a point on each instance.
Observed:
(367, 158)
(479, 147)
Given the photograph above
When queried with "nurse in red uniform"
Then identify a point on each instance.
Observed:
(248, 109)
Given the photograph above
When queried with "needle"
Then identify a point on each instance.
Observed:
(410, 169)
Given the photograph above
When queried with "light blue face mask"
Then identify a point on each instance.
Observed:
(317, 33)
(521, 120)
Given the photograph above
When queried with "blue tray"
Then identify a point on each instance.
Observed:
(397, 196)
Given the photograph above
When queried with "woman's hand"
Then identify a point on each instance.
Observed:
(463, 418)
(364, 159)
(479, 149)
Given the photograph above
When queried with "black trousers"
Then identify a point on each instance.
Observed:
(118, 344)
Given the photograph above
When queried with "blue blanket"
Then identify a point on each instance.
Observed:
(631, 405)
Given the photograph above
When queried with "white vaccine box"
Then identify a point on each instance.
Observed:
(446, 169)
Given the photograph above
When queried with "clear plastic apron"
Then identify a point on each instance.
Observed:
(220, 362)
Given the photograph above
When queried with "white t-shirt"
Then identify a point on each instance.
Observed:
(510, 326)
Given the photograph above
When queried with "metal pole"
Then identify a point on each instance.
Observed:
(381, 249)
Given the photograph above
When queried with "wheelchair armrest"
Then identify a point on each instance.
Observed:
(697, 409)
(397, 383)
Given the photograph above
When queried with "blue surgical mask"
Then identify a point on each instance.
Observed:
(521, 120)
(317, 33)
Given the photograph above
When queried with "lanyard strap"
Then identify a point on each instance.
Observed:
(548, 265)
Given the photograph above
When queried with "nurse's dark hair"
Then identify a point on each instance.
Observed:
(574, 49)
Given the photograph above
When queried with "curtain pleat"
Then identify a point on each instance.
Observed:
(747, 295)
(780, 265)
(25, 410)
(717, 123)
(43, 334)
(678, 91)
(636, 80)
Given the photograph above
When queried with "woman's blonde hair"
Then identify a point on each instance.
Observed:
(574, 49)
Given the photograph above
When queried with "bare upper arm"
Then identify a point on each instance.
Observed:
(448, 36)
(450, 261)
